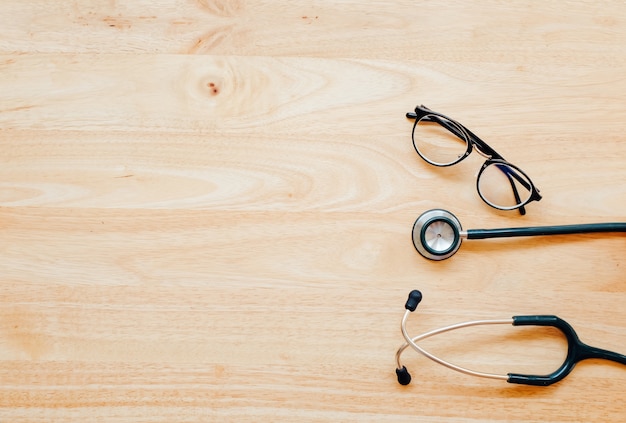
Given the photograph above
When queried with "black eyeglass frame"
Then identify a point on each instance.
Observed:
(423, 113)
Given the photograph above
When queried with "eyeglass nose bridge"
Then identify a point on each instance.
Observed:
(484, 154)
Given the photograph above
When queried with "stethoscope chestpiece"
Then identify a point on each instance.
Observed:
(437, 234)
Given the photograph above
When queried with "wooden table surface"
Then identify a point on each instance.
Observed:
(206, 208)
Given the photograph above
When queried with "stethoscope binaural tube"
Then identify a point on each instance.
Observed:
(437, 233)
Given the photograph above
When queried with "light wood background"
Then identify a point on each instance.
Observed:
(206, 208)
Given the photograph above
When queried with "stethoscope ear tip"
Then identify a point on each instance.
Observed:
(415, 297)
(404, 378)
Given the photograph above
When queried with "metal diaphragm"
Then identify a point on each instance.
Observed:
(437, 234)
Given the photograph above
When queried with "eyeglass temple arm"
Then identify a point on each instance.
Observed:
(484, 147)
(576, 351)
(414, 115)
(510, 174)
(507, 171)
(442, 122)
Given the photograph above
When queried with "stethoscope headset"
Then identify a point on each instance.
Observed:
(437, 233)
(576, 350)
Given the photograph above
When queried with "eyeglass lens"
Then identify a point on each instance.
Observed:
(503, 186)
(439, 141)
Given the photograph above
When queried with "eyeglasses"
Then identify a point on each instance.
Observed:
(442, 142)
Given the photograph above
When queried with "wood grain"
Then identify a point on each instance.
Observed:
(206, 208)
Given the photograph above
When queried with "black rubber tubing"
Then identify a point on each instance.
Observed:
(546, 230)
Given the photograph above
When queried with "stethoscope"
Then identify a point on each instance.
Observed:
(577, 351)
(437, 233)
